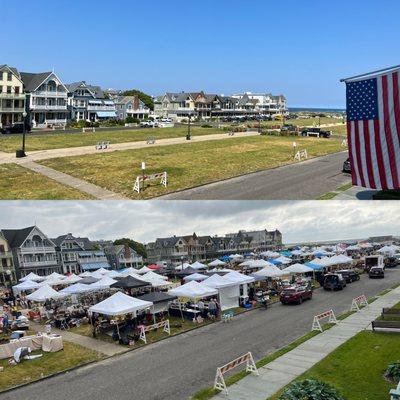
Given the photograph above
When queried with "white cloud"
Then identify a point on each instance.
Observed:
(147, 220)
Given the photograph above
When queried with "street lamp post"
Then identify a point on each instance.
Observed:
(21, 152)
(259, 123)
(189, 135)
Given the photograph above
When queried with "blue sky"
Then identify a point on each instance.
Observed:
(299, 48)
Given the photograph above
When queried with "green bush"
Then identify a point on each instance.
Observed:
(393, 372)
(131, 120)
(310, 389)
(206, 126)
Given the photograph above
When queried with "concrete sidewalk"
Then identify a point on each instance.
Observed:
(109, 349)
(356, 193)
(280, 372)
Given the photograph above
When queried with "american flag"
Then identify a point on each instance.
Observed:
(373, 130)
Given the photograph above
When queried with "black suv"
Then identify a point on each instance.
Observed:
(18, 127)
(316, 132)
(349, 275)
(376, 272)
(347, 167)
(334, 282)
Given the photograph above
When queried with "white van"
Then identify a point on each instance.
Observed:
(374, 261)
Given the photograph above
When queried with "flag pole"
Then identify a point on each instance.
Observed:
(370, 73)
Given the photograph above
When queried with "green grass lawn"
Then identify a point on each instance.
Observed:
(356, 368)
(20, 183)
(45, 141)
(188, 165)
(50, 363)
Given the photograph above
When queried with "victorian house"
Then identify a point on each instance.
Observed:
(12, 97)
(89, 103)
(123, 256)
(46, 99)
(32, 251)
(131, 106)
(7, 270)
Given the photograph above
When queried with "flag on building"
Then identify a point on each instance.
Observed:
(373, 129)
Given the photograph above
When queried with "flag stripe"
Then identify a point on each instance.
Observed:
(350, 140)
(396, 103)
(381, 165)
(358, 153)
(388, 131)
(368, 158)
(375, 166)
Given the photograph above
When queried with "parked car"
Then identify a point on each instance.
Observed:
(392, 262)
(334, 282)
(347, 167)
(289, 128)
(349, 275)
(376, 272)
(17, 127)
(295, 294)
(318, 132)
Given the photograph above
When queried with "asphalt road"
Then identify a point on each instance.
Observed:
(176, 368)
(306, 180)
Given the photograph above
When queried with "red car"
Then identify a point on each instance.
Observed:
(295, 294)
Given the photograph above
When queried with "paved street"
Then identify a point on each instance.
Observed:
(303, 181)
(174, 369)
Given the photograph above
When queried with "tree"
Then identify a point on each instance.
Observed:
(147, 100)
(137, 246)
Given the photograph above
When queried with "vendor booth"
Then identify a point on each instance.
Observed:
(228, 291)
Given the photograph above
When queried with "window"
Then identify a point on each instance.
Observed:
(9, 89)
(9, 76)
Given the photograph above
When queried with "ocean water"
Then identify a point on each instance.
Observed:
(320, 110)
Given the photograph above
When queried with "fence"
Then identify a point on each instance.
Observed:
(148, 328)
(219, 382)
(300, 155)
(163, 176)
(316, 325)
(358, 302)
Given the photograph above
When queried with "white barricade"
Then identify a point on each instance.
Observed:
(300, 155)
(219, 382)
(88, 129)
(316, 325)
(344, 143)
(358, 302)
(163, 176)
(148, 328)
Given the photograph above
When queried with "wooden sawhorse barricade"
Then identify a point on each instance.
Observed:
(301, 154)
(219, 382)
(148, 328)
(140, 180)
(358, 302)
(316, 325)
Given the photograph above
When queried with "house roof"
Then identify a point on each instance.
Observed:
(12, 69)
(33, 80)
(15, 237)
(96, 91)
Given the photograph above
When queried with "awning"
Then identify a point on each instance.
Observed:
(106, 114)
(94, 265)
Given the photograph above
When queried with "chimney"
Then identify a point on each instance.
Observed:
(127, 251)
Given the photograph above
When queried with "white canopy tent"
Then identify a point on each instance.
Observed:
(129, 271)
(113, 273)
(33, 277)
(77, 288)
(143, 270)
(389, 250)
(24, 286)
(72, 279)
(152, 276)
(241, 279)
(216, 263)
(284, 260)
(195, 277)
(270, 254)
(85, 274)
(103, 283)
(193, 290)
(268, 272)
(120, 304)
(297, 269)
(228, 291)
(198, 265)
(44, 293)
(182, 267)
(53, 281)
(55, 275)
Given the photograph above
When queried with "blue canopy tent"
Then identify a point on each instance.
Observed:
(315, 267)
(275, 262)
(225, 258)
(286, 253)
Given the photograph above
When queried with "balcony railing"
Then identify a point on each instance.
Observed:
(49, 93)
(48, 107)
(12, 96)
(11, 109)
(5, 254)
(37, 249)
(84, 260)
(29, 264)
(101, 108)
